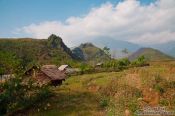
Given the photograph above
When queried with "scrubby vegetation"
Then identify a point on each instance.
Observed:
(18, 94)
(110, 88)
(113, 93)
(27, 51)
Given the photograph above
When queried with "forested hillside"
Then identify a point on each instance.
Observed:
(90, 52)
(25, 51)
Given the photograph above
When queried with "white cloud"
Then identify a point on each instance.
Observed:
(127, 20)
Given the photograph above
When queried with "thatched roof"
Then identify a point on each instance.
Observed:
(53, 73)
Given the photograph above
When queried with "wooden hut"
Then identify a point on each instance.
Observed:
(47, 74)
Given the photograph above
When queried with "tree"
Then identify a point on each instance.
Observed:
(9, 63)
(107, 51)
(140, 61)
(125, 51)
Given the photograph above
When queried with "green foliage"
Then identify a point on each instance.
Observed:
(54, 41)
(125, 51)
(117, 64)
(123, 63)
(107, 51)
(159, 88)
(9, 62)
(2, 70)
(164, 102)
(140, 61)
(89, 52)
(104, 102)
(19, 94)
(84, 68)
(26, 51)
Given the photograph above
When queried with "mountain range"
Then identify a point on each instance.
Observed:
(54, 50)
(168, 48)
(118, 45)
(46, 51)
(150, 54)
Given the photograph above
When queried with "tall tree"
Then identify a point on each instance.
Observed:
(107, 51)
(125, 51)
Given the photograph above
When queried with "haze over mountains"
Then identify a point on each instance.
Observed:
(118, 45)
(89, 52)
(150, 54)
(168, 48)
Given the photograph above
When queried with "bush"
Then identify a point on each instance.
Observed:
(140, 61)
(117, 64)
(123, 63)
(18, 95)
(164, 102)
(84, 68)
(159, 88)
(104, 102)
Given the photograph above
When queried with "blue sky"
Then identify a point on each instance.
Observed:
(18, 13)
(142, 22)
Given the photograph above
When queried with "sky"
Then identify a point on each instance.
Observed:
(138, 21)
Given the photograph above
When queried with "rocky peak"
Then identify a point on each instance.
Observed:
(55, 41)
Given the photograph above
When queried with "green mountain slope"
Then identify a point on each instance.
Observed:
(150, 54)
(43, 51)
(89, 52)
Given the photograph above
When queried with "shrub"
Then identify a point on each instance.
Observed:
(85, 68)
(159, 88)
(140, 61)
(164, 102)
(104, 102)
(117, 64)
(18, 95)
(123, 63)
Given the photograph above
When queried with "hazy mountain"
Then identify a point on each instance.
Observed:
(114, 44)
(88, 51)
(150, 54)
(168, 48)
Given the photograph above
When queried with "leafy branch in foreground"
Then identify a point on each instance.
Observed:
(18, 93)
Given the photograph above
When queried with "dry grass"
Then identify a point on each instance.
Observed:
(113, 93)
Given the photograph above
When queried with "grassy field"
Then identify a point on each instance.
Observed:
(112, 93)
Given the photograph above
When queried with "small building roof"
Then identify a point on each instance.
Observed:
(53, 73)
(99, 64)
(62, 67)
